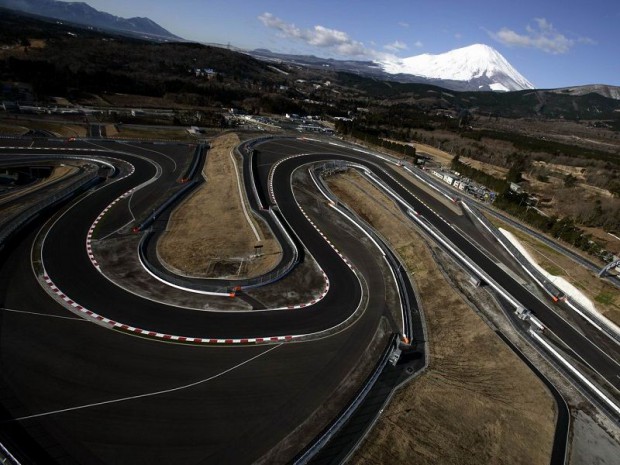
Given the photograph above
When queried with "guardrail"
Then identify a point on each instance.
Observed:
(7, 457)
(281, 270)
(196, 162)
(393, 262)
(259, 196)
(306, 455)
(146, 223)
(272, 217)
(87, 179)
(556, 293)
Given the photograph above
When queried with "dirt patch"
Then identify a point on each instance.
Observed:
(60, 172)
(8, 129)
(60, 129)
(210, 233)
(144, 132)
(477, 402)
(439, 155)
(120, 264)
(20, 50)
(111, 130)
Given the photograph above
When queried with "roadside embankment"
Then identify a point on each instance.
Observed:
(477, 402)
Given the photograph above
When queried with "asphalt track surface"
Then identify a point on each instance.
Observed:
(73, 392)
(106, 397)
(91, 291)
(606, 365)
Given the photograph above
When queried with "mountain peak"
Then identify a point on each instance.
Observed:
(479, 48)
(83, 13)
(478, 63)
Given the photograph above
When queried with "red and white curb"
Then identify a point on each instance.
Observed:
(91, 230)
(271, 174)
(271, 193)
(318, 298)
(111, 324)
(344, 259)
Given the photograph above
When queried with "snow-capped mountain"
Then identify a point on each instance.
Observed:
(478, 65)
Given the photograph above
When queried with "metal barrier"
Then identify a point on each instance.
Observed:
(391, 257)
(7, 457)
(556, 293)
(196, 161)
(15, 224)
(145, 224)
(553, 290)
(329, 432)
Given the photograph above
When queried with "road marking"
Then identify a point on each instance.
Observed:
(12, 310)
(148, 394)
(154, 151)
(132, 220)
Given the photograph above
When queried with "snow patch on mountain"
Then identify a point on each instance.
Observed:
(498, 86)
(477, 63)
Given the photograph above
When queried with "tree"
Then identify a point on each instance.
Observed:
(570, 180)
(516, 169)
(456, 162)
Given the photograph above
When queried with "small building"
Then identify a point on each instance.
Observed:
(447, 178)
(516, 188)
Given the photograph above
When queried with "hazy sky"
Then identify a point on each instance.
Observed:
(552, 43)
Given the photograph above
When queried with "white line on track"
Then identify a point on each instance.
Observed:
(154, 151)
(12, 310)
(148, 394)
(132, 220)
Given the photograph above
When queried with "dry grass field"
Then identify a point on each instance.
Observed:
(209, 234)
(477, 402)
(20, 127)
(145, 132)
(9, 129)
